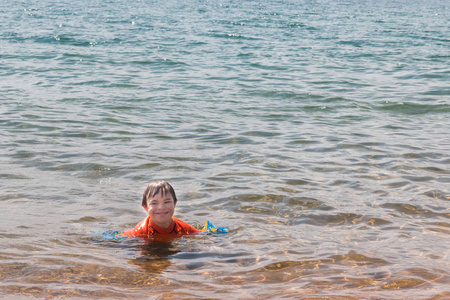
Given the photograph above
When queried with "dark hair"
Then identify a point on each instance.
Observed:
(155, 187)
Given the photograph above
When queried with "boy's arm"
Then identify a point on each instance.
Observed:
(185, 228)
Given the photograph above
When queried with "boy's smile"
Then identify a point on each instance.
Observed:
(160, 208)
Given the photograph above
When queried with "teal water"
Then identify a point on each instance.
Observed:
(317, 131)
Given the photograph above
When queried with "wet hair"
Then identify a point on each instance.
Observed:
(155, 187)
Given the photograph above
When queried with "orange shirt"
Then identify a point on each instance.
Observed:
(146, 228)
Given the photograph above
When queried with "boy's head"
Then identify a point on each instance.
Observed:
(154, 188)
(159, 201)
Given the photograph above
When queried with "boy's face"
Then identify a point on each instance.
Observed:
(160, 208)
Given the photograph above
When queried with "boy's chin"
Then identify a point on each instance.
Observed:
(163, 222)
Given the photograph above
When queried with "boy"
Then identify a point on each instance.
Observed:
(159, 201)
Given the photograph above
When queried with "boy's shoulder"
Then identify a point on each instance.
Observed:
(141, 229)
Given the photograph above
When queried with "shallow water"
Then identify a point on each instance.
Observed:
(316, 131)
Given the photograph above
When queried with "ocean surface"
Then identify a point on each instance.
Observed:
(316, 131)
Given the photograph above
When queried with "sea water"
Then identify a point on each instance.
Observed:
(317, 131)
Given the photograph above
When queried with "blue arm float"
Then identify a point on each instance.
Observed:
(214, 229)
